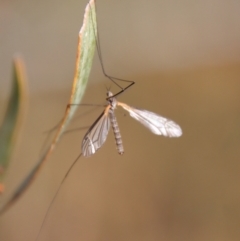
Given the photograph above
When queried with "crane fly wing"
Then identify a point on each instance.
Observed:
(96, 135)
(154, 122)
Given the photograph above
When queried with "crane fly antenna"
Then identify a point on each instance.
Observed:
(113, 79)
(107, 88)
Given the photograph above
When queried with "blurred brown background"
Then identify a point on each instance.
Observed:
(185, 59)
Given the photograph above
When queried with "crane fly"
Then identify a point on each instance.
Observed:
(97, 133)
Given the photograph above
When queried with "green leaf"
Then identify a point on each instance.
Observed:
(85, 54)
(11, 125)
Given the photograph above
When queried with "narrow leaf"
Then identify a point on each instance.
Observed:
(12, 122)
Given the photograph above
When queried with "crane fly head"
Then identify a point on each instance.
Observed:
(109, 94)
(111, 101)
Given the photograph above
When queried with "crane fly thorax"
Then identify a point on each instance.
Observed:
(112, 101)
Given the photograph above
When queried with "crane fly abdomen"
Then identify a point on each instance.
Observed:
(116, 131)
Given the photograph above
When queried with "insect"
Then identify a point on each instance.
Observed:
(97, 133)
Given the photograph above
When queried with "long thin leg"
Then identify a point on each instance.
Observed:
(113, 79)
(56, 126)
(55, 196)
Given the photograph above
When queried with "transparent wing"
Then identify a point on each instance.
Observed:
(96, 135)
(154, 122)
